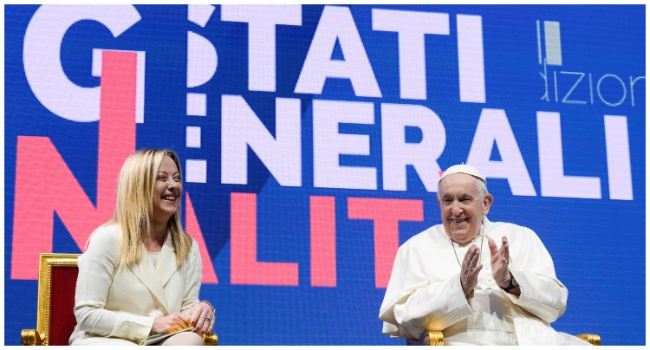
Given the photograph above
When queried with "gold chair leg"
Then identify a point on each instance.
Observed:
(594, 339)
(30, 337)
(210, 339)
(432, 338)
(436, 338)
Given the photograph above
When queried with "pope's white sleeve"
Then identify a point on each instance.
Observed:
(413, 303)
(542, 294)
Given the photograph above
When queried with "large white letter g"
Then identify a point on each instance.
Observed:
(42, 56)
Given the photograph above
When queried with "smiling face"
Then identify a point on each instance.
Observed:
(167, 190)
(462, 206)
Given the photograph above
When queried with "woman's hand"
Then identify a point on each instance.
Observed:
(170, 323)
(202, 317)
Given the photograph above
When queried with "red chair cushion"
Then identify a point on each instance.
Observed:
(62, 290)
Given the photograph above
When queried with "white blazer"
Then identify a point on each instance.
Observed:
(114, 303)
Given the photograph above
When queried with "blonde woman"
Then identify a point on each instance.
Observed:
(141, 273)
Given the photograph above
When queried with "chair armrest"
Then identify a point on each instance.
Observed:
(210, 339)
(30, 337)
(594, 339)
(433, 338)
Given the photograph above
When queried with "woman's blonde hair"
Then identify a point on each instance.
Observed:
(134, 209)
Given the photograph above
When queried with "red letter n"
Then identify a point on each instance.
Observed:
(45, 184)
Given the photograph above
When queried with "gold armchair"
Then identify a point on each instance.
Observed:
(436, 338)
(57, 278)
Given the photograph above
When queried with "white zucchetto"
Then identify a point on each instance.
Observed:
(465, 169)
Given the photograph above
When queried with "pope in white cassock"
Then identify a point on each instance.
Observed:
(479, 282)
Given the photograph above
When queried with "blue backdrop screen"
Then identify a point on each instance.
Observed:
(312, 139)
